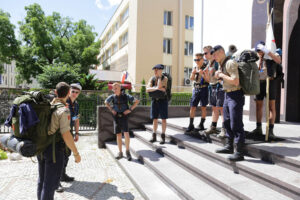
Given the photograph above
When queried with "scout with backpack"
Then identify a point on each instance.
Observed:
(30, 118)
(159, 94)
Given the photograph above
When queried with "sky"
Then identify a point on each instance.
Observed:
(96, 12)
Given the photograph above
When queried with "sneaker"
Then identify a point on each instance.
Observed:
(119, 156)
(60, 188)
(66, 178)
(153, 138)
(222, 133)
(128, 155)
(190, 129)
(211, 130)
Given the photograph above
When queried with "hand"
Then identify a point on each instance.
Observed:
(194, 70)
(217, 74)
(262, 48)
(77, 158)
(162, 89)
(113, 112)
(76, 137)
(126, 112)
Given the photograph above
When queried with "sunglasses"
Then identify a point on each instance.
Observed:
(75, 92)
(197, 60)
(205, 53)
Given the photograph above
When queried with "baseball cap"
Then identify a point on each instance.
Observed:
(158, 66)
(76, 86)
(216, 48)
(257, 43)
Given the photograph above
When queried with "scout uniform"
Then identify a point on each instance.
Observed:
(216, 92)
(50, 172)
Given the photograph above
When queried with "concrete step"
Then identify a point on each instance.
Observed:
(184, 182)
(285, 153)
(274, 176)
(236, 185)
(148, 184)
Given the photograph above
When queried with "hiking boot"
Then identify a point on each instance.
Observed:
(222, 133)
(66, 178)
(239, 154)
(227, 149)
(153, 138)
(236, 157)
(201, 127)
(190, 128)
(271, 134)
(128, 155)
(119, 156)
(60, 188)
(163, 138)
(257, 131)
(211, 130)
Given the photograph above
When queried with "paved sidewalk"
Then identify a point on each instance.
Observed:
(97, 176)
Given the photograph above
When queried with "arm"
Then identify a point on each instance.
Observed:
(277, 59)
(149, 87)
(160, 85)
(136, 102)
(76, 130)
(109, 108)
(228, 79)
(68, 139)
(192, 77)
(206, 74)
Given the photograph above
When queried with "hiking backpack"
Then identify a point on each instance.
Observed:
(248, 72)
(37, 134)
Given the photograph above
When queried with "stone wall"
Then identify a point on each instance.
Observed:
(137, 119)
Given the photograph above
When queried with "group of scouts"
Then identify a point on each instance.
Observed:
(216, 81)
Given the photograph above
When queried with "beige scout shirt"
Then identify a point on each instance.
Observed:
(60, 118)
(198, 76)
(211, 71)
(230, 69)
(164, 82)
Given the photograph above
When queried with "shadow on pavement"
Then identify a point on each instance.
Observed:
(97, 190)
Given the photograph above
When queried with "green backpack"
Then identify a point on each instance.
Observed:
(248, 72)
(37, 133)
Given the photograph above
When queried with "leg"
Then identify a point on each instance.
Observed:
(215, 114)
(119, 141)
(127, 141)
(259, 112)
(52, 171)
(203, 112)
(272, 111)
(41, 166)
(192, 111)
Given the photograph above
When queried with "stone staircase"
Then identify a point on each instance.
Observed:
(188, 168)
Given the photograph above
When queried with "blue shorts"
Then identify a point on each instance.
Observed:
(199, 95)
(216, 96)
(159, 108)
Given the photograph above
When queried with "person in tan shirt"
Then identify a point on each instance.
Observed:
(50, 170)
(233, 104)
(157, 85)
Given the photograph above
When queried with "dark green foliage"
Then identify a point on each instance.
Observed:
(53, 39)
(143, 100)
(89, 82)
(53, 74)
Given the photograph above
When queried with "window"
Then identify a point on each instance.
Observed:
(108, 53)
(167, 69)
(124, 39)
(168, 18)
(189, 22)
(125, 15)
(109, 35)
(188, 48)
(187, 72)
(116, 26)
(115, 48)
(167, 46)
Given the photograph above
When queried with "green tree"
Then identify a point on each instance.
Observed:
(9, 45)
(143, 93)
(53, 39)
(55, 73)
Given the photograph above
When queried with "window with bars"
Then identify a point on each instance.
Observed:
(168, 69)
(187, 72)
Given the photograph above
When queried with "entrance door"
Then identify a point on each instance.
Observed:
(293, 76)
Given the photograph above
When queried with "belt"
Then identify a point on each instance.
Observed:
(233, 90)
(119, 114)
(216, 85)
(200, 86)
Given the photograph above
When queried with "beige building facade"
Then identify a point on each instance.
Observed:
(143, 33)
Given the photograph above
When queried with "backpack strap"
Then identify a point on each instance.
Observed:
(224, 63)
